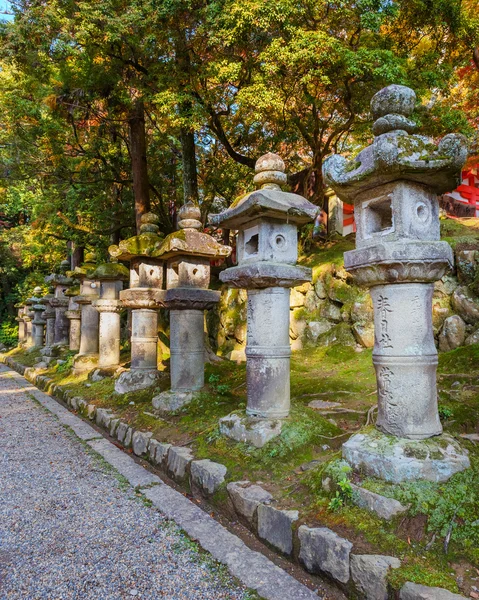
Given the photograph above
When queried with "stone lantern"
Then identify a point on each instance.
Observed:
(38, 320)
(145, 296)
(111, 277)
(28, 316)
(73, 314)
(87, 358)
(394, 185)
(49, 317)
(60, 302)
(21, 324)
(267, 248)
(187, 254)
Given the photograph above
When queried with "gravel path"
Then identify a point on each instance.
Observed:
(71, 528)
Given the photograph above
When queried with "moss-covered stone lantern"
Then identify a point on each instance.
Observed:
(394, 185)
(144, 297)
(87, 358)
(28, 316)
(267, 247)
(111, 277)
(38, 320)
(21, 323)
(73, 314)
(59, 302)
(187, 254)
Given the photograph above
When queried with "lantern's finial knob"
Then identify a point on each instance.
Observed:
(270, 172)
(390, 108)
(37, 291)
(64, 265)
(149, 223)
(189, 216)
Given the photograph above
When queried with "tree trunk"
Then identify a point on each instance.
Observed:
(188, 155)
(77, 255)
(139, 167)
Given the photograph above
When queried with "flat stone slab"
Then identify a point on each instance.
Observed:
(170, 401)
(384, 507)
(247, 497)
(178, 460)
(275, 527)
(397, 459)
(207, 475)
(158, 452)
(140, 441)
(256, 432)
(324, 405)
(369, 574)
(323, 551)
(132, 381)
(413, 591)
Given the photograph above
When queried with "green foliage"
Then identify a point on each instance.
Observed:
(445, 413)
(222, 389)
(8, 333)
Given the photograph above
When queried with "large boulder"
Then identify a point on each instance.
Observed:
(466, 304)
(453, 333)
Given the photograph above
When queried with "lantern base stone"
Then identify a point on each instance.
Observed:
(170, 400)
(132, 381)
(249, 430)
(84, 362)
(395, 460)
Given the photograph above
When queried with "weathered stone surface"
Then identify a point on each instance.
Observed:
(124, 434)
(296, 299)
(473, 338)
(320, 289)
(386, 508)
(413, 591)
(113, 426)
(331, 312)
(178, 460)
(103, 417)
(207, 475)
(256, 432)
(158, 451)
(466, 304)
(140, 442)
(369, 572)
(323, 551)
(398, 459)
(317, 328)
(247, 497)
(132, 381)
(275, 527)
(453, 333)
(323, 404)
(171, 400)
(364, 334)
(339, 334)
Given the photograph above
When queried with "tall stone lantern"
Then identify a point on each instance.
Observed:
(28, 316)
(49, 317)
(267, 247)
(73, 314)
(38, 319)
(144, 297)
(21, 324)
(87, 358)
(394, 185)
(187, 253)
(111, 277)
(60, 302)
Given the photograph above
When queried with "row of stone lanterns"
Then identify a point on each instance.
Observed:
(394, 185)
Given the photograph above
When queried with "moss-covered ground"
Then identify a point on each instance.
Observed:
(437, 540)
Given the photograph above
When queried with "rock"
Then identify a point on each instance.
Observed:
(238, 355)
(466, 265)
(339, 334)
(446, 285)
(103, 417)
(439, 315)
(317, 328)
(91, 411)
(41, 365)
(275, 527)
(158, 451)
(132, 381)
(256, 432)
(339, 291)
(140, 442)
(296, 299)
(399, 459)
(246, 498)
(97, 375)
(73, 402)
(320, 289)
(413, 591)
(311, 301)
(331, 312)
(364, 334)
(323, 551)
(114, 426)
(386, 508)
(452, 334)
(207, 475)
(124, 433)
(369, 572)
(297, 325)
(178, 460)
(472, 339)
(171, 401)
(466, 304)
(324, 405)
(240, 333)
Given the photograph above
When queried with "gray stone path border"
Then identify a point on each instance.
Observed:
(252, 568)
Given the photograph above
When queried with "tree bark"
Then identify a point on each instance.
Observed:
(139, 166)
(188, 154)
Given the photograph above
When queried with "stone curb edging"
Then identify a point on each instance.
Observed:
(321, 551)
(252, 568)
